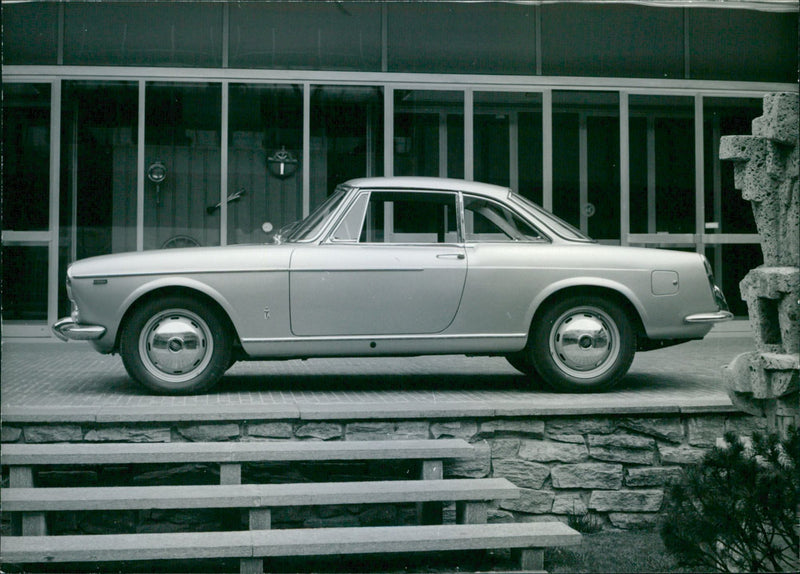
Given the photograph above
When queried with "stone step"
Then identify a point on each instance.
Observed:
(230, 452)
(254, 495)
(274, 543)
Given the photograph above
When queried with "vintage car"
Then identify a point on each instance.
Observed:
(396, 267)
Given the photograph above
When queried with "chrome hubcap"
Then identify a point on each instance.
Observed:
(175, 345)
(584, 342)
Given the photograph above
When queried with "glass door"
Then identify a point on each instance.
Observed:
(29, 252)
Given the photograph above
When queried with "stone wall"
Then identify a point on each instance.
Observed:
(613, 468)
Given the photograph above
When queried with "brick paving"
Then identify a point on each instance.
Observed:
(52, 381)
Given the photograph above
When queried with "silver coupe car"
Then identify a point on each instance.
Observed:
(396, 267)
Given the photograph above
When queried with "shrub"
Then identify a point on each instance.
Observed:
(737, 510)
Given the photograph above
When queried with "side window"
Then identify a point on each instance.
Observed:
(486, 221)
(401, 217)
(349, 229)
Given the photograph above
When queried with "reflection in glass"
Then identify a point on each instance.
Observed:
(143, 33)
(429, 133)
(724, 203)
(306, 35)
(182, 134)
(265, 174)
(509, 125)
(586, 180)
(30, 33)
(461, 37)
(346, 136)
(24, 283)
(662, 164)
(98, 159)
(26, 157)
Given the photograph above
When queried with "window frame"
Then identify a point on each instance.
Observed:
(458, 213)
(543, 237)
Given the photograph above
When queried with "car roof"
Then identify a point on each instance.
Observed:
(429, 183)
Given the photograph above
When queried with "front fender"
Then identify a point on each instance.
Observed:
(164, 283)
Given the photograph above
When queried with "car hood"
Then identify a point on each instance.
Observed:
(183, 261)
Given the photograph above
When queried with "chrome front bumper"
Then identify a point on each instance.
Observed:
(67, 329)
(717, 317)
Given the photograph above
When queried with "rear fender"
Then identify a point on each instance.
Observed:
(588, 284)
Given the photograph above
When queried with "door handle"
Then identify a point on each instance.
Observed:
(451, 256)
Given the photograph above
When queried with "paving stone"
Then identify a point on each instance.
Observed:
(683, 454)
(570, 503)
(129, 434)
(622, 448)
(669, 429)
(406, 430)
(587, 476)
(504, 447)
(626, 500)
(580, 426)
(534, 428)
(704, 431)
(531, 501)
(10, 434)
(570, 438)
(322, 431)
(479, 466)
(521, 472)
(546, 451)
(653, 476)
(455, 429)
(53, 433)
(368, 430)
(497, 515)
(210, 432)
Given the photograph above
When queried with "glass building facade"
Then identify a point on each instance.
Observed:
(150, 125)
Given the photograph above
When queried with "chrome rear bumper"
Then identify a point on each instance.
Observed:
(67, 329)
(717, 317)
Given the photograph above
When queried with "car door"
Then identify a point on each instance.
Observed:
(508, 265)
(392, 266)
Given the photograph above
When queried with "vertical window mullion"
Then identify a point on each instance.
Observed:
(306, 148)
(547, 149)
(140, 150)
(443, 144)
(699, 175)
(469, 134)
(652, 224)
(624, 167)
(388, 131)
(223, 168)
(583, 169)
(55, 190)
(513, 150)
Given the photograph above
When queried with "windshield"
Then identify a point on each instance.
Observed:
(558, 225)
(309, 227)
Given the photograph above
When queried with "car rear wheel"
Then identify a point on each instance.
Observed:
(582, 344)
(175, 345)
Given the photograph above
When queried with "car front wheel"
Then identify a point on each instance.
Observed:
(175, 345)
(582, 344)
